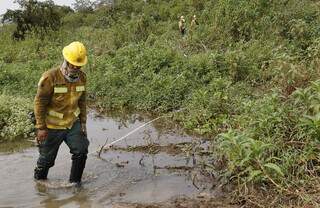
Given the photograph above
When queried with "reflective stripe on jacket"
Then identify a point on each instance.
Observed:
(59, 103)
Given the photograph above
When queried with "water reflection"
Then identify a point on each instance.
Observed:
(114, 179)
(77, 197)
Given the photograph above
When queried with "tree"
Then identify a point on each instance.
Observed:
(103, 3)
(84, 6)
(34, 16)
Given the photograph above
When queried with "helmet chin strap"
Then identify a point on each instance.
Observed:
(70, 76)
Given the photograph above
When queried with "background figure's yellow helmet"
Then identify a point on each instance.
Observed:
(75, 53)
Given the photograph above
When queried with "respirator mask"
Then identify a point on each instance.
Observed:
(70, 72)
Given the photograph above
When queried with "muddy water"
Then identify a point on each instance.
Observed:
(123, 175)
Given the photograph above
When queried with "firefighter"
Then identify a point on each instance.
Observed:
(194, 22)
(60, 112)
(182, 27)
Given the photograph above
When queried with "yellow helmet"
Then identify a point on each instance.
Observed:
(75, 53)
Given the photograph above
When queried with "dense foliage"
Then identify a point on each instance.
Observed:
(35, 16)
(246, 78)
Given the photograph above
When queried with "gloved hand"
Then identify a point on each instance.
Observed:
(84, 129)
(42, 135)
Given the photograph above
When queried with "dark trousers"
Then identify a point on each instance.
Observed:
(74, 138)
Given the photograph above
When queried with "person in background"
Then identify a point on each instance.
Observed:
(182, 27)
(194, 22)
(60, 113)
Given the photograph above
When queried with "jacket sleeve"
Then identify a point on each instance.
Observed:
(42, 100)
(83, 105)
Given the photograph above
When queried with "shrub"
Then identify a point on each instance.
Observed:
(38, 17)
(14, 117)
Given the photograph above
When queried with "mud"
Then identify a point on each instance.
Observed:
(201, 201)
(171, 149)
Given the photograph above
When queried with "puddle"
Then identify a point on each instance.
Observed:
(150, 166)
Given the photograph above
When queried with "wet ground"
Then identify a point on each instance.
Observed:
(151, 168)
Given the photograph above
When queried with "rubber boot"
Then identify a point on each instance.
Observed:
(78, 164)
(41, 173)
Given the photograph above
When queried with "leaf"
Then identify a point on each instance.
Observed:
(274, 167)
(254, 174)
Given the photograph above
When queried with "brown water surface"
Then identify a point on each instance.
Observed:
(135, 171)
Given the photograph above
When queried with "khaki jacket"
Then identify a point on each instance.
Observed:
(59, 103)
(193, 23)
(181, 24)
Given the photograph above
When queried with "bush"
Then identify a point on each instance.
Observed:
(38, 17)
(14, 118)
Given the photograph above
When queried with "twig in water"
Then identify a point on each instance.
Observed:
(194, 181)
(101, 149)
(140, 161)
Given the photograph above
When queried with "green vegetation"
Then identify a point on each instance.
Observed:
(246, 78)
(14, 117)
(34, 16)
